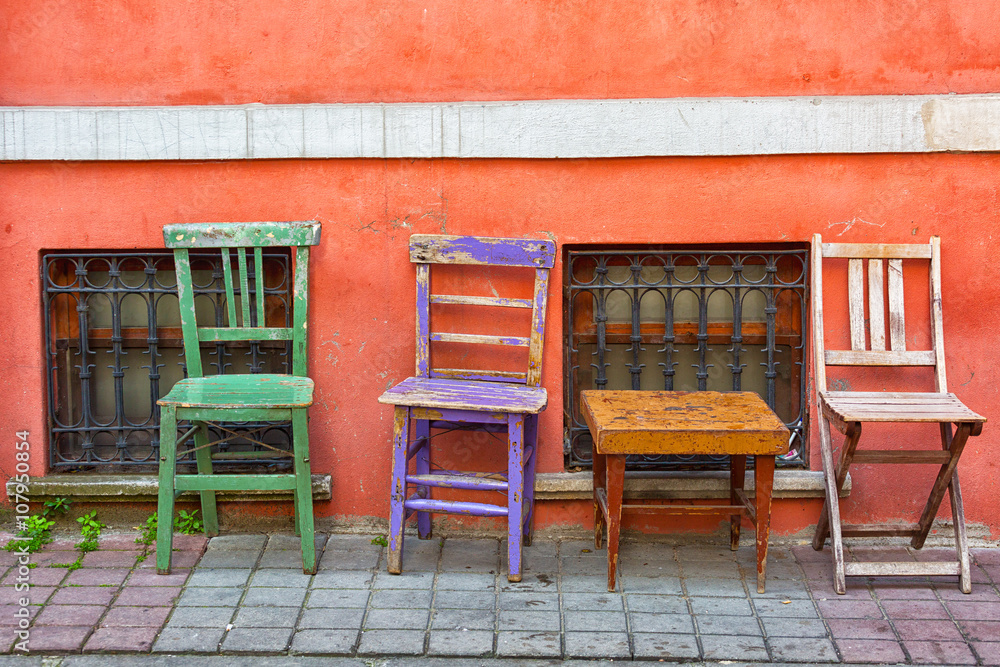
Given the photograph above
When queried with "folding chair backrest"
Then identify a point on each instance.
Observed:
(885, 342)
(428, 249)
(244, 283)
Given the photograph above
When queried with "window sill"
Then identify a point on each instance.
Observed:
(141, 488)
(681, 484)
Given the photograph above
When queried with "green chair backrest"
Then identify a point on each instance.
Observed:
(248, 322)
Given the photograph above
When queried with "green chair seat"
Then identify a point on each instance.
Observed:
(241, 391)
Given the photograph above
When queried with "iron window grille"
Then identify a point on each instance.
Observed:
(722, 319)
(114, 346)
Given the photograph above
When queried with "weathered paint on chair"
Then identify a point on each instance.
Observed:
(498, 401)
(256, 397)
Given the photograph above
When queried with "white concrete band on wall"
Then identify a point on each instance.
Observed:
(528, 129)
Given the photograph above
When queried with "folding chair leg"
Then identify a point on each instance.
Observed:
(203, 456)
(165, 499)
(955, 447)
(830, 515)
(737, 478)
(421, 432)
(515, 495)
(397, 494)
(303, 489)
(531, 438)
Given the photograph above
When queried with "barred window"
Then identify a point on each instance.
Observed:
(114, 346)
(686, 319)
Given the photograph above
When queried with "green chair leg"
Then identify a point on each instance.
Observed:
(203, 456)
(165, 500)
(303, 490)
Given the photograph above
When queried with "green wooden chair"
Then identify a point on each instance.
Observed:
(204, 400)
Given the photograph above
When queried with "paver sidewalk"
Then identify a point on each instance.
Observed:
(246, 594)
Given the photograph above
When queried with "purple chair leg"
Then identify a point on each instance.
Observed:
(515, 494)
(422, 430)
(397, 494)
(531, 440)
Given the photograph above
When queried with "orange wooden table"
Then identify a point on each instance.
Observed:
(677, 422)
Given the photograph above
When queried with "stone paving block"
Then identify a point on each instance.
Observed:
(464, 600)
(531, 583)
(776, 626)
(279, 542)
(36, 594)
(515, 644)
(330, 618)
(529, 620)
(391, 642)
(58, 638)
(580, 583)
(246, 542)
(928, 630)
(132, 640)
(201, 617)
(786, 608)
(458, 643)
(73, 614)
(120, 543)
(663, 623)
(406, 580)
(402, 619)
(9, 617)
(337, 597)
(982, 593)
(743, 648)
(989, 652)
(145, 578)
(912, 609)
(878, 554)
(540, 549)
(665, 646)
(49, 558)
(480, 561)
(821, 588)
(235, 560)
(987, 631)
(136, 617)
(256, 640)
(281, 559)
(711, 571)
(266, 617)
(975, 611)
(403, 599)
(89, 576)
(597, 645)
(112, 559)
(594, 621)
(662, 604)
(324, 642)
(39, 576)
(347, 542)
(280, 579)
(463, 619)
(583, 549)
(219, 577)
(781, 589)
(182, 560)
(728, 625)
(341, 579)
(274, 597)
(802, 649)
(728, 588)
(905, 591)
(465, 581)
(421, 560)
(856, 628)
(584, 567)
(193, 543)
(940, 652)
(8, 636)
(872, 651)
(848, 609)
(529, 601)
(709, 606)
(209, 597)
(83, 595)
(592, 602)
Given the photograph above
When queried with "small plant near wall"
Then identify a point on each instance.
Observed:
(36, 532)
(188, 523)
(90, 531)
(56, 506)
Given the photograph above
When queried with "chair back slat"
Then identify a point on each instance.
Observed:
(869, 344)
(241, 326)
(876, 306)
(227, 276)
(897, 320)
(426, 249)
(856, 302)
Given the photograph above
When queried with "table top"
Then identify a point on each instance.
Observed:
(682, 422)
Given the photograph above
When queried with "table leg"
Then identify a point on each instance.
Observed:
(616, 489)
(764, 480)
(600, 467)
(737, 478)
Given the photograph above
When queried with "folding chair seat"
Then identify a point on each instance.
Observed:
(216, 401)
(847, 411)
(444, 399)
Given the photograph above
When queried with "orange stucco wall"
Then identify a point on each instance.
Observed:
(361, 325)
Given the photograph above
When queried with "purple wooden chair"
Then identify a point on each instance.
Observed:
(452, 398)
